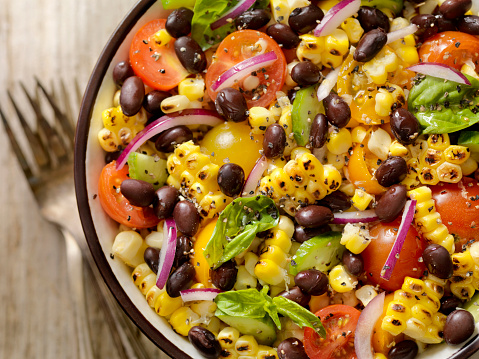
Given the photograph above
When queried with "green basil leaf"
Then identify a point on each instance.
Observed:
(237, 226)
(300, 315)
(270, 307)
(444, 106)
(248, 303)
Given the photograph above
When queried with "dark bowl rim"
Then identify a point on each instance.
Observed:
(81, 140)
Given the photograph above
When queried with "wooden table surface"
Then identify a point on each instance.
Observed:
(49, 39)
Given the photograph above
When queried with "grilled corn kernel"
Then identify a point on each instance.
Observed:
(192, 88)
(408, 54)
(165, 305)
(108, 140)
(431, 158)
(280, 10)
(340, 280)
(174, 103)
(280, 239)
(265, 352)
(340, 141)
(228, 337)
(379, 143)
(449, 172)
(274, 254)
(330, 60)
(337, 43)
(119, 129)
(182, 320)
(355, 237)
(425, 207)
(332, 178)
(308, 163)
(361, 199)
(397, 149)
(462, 262)
(310, 48)
(161, 37)
(429, 222)
(438, 141)
(286, 225)
(229, 354)
(244, 280)
(353, 29)
(152, 295)
(337, 161)
(140, 273)
(428, 176)
(269, 272)
(358, 134)
(259, 119)
(385, 61)
(384, 101)
(129, 247)
(463, 291)
(246, 345)
(456, 154)
(366, 293)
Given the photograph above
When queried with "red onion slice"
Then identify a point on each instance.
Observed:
(406, 220)
(190, 295)
(242, 69)
(167, 253)
(401, 33)
(355, 217)
(328, 83)
(336, 15)
(254, 177)
(185, 117)
(232, 13)
(365, 327)
(442, 71)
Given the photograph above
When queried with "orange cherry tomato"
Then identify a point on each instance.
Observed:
(359, 173)
(198, 260)
(158, 66)
(240, 46)
(116, 205)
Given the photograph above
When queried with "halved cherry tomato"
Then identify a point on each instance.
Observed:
(116, 205)
(198, 260)
(359, 173)
(452, 48)
(458, 205)
(376, 253)
(240, 46)
(158, 66)
(340, 321)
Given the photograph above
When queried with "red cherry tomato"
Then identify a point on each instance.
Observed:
(116, 205)
(340, 323)
(383, 236)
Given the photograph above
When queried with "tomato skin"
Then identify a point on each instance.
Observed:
(452, 48)
(359, 173)
(461, 218)
(376, 253)
(239, 47)
(150, 67)
(335, 344)
(116, 205)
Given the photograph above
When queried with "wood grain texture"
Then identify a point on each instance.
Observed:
(50, 39)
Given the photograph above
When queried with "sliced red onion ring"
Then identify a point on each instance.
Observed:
(328, 83)
(355, 217)
(167, 253)
(401, 33)
(365, 327)
(242, 69)
(254, 177)
(185, 117)
(336, 15)
(406, 220)
(190, 295)
(232, 13)
(441, 71)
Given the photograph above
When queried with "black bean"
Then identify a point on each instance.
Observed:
(190, 54)
(186, 217)
(224, 277)
(319, 131)
(131, 95)
(165, 202)
(283, 35)
(302, 234)
(231, 104)
(296, 295)
(452, 9)
(121, 72)
(370, 44)
(138, 193)
(112, 156)
(305, 73)
(337, 201)
(468, 24)
(444, 24)
(152, 101)
(152, 258)
(449, 304)
(252, 19)
(404, 126)
(313, 216)
(291, 348)
(178, 22)
(312, 281)
(427, 25)
(391, 203)
(371, 18)
(354, 263)
(274, 141)
(407, 349)
(184, 245)
(231, 179)
(167, 140)
(391, 171)
(337, 110)
(459, 327)
(292, 94)
(205, 342)
(438, 261)
(304, 19)
(180, 279)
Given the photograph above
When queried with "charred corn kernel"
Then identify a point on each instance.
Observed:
(358, 134)
(228, 337)
(182, 320)
(340, 280)
(435, 284)
(424, 208)
(275, 254)
(366, 293)
(129, 247)
(269, 271)
(192, 88)
(286, 225)
(174, 103)
(353, 29)
(140, 273)
(463, 290)
(295, 173)
(429, 222)
(280, 10)
(281, 239)
(379, 143)
(330, 60)
(337, 43)
(422, 313)
(337, 161)
(108, 140)
(361, 199)
(438, 141)
(228, 354)
(311, 166)
(147, 283)
(332, 178)
(152, 295)
(310, 48)
(385, 61)
(438, 234)
(265, 352)
(469, 166)
(259, 119)
(462, 262)
(244, 280)
(165, 305)
(340, 141)
(431, 158)
(420, 194)
(428, 176)
(281, 182)
(355, 237)
(119, 129)
(456, 154)
(449, 172)
(246, 345)
(384, 102)
(408, 54)
(161, 37)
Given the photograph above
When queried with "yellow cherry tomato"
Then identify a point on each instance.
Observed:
(199, 261)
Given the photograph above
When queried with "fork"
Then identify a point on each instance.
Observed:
(51, 180)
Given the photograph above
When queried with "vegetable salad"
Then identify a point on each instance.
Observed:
(297, 179)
